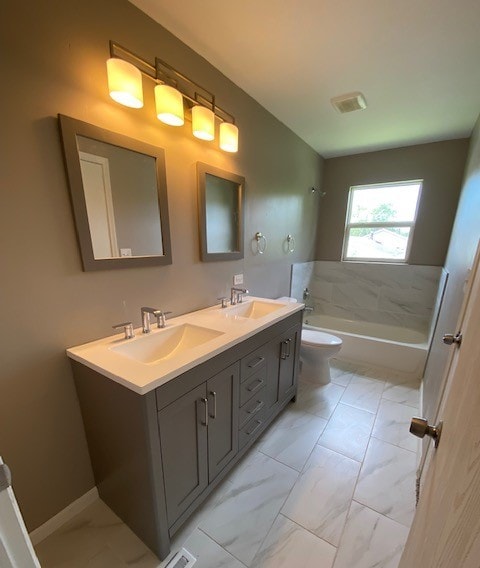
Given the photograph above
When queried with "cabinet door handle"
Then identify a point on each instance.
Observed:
(283, 355)
(289, 351)
(205, 402)
(214, 394)
(253, 386)
(259, 406)
(259, 423)
(257, 363)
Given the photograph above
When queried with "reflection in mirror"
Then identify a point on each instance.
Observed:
(221, 197)
(122, 222)
(119, 197)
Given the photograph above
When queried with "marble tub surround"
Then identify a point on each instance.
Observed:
(328, 485)
(395, 294)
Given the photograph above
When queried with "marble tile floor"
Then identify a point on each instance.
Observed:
(331, 484)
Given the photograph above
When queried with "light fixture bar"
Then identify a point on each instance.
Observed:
(116, 50)
(162, 73)
(170, 75)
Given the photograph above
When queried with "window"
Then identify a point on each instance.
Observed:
(380, 221)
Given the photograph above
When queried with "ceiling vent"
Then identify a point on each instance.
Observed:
(349, 102)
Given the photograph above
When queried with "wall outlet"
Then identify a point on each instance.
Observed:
(126, 252)
(237, 279)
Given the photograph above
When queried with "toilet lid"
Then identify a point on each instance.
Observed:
(314, 337)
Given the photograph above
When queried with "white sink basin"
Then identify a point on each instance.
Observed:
(253, 310)
(166, 343)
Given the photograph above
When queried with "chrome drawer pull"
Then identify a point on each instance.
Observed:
(254, 387)
(257, 363)
(205, 402)
(259, 423)
(259, 406)
(289, 352)
(214, 394)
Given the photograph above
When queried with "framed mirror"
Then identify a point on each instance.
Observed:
(221, 198)
(118, 191)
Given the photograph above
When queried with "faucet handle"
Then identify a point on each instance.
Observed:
(224, 301)
(160, 315)
(240, 294)
(127, 328)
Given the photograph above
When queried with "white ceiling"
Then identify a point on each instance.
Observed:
(416, 61)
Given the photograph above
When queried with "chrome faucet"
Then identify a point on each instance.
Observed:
(236, 295)
(159, 314)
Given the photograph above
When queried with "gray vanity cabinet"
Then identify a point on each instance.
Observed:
(157, 456)
(198, 437)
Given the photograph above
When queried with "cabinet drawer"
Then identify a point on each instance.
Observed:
(252, 428)
(252, 407)
(253, 385)
(253, 362)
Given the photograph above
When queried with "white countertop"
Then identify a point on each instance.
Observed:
(144, 377)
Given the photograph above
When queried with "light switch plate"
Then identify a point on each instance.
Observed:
(237, 279)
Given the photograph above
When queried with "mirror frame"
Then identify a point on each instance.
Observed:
(202, 171)
(70, 128)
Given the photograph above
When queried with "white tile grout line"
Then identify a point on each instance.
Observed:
(222, 547)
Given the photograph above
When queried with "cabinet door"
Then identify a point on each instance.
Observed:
(183, 440)
(273, 361)
(223, 395)
(287, 374)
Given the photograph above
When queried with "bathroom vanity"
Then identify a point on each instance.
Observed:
(167, 415)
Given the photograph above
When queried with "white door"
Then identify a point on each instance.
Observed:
(16, 550)
(98, 197)
(446, 530)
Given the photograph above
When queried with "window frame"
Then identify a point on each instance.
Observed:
(380, 224)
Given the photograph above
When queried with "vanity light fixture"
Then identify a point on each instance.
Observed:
(169, 105)
(174, 92)
(228, 137)
(124, 83)
(203, 123)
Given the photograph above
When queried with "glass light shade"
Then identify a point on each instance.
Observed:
(228, 137)
(169, 105)
(203, 123)
(124, 83)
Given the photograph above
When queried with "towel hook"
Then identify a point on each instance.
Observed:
(261, 242)
(290, 243)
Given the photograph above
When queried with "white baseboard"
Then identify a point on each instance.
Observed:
(65, 515)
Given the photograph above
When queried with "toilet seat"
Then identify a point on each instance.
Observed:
(317, 338)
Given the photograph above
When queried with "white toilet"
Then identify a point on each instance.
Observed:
(316, 350)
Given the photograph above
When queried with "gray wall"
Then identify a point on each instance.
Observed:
(54, 62)
(439, 164)
(461, 252)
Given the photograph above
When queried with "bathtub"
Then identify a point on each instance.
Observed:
(384, 346)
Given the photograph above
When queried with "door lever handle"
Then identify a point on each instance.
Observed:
(420, 427)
